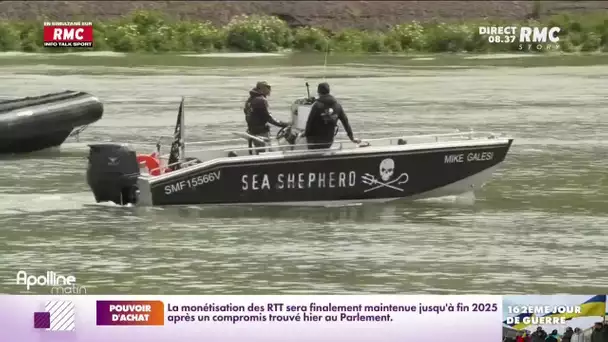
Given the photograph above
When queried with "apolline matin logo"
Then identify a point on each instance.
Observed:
(60, 285)
(529, 38)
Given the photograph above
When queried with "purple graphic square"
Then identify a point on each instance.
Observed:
(42, 320)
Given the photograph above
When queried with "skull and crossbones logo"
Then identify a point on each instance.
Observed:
(386, 171)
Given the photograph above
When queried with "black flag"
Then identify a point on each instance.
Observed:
(178, 142)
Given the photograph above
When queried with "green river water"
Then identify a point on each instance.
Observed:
(540, 226)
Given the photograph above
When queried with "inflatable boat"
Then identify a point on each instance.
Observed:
(36, 123)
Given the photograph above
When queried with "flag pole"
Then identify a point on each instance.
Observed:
(182, 155)
(176, 156)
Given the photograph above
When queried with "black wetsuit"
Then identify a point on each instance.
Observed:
(258, 117)
(322, 122)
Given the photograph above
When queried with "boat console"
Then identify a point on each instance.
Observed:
(300, 109)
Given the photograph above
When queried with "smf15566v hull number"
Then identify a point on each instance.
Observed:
(192, 183)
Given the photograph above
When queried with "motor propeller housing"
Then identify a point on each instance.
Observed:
(112, 173)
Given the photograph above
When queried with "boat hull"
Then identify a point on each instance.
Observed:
(37, 123)
(326, 177)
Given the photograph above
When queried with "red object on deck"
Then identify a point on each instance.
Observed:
(152, 163)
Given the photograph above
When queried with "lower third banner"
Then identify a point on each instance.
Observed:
(250, 318)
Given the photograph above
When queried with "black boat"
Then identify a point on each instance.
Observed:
(378, 170)
(36, 123)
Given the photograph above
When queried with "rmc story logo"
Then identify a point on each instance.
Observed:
(528, 38)
(59, 284)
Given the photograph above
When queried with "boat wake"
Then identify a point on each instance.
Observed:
(14, 204)
(109, 204)
(74, 149)
(466, 199)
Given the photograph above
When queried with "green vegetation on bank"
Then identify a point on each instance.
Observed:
(153, 33)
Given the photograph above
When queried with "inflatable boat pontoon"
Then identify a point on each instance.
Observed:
(36, 123)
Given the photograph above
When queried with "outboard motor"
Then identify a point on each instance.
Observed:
(112, 173)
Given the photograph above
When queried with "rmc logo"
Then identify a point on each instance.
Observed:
(60, 285)
(539, 35)
(68, 34)
(533, 38)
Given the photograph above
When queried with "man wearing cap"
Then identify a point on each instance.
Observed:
(257, 114)
(323, 119)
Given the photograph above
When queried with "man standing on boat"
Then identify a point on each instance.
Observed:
(257, 114)
(323, 120)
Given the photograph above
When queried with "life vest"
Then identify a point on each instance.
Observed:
(152, 163)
